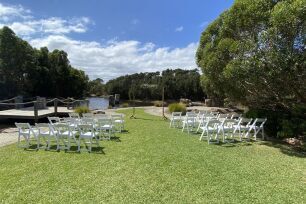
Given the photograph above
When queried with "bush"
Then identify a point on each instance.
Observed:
(81, 109)
(158, 103)
(125, 105)
(282, 123)
(177, 107)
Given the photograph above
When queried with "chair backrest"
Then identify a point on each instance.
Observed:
(24, 127)
(117, 116)
(229, 123)
(89, 121)
(222, 116)
(259, 122)
(245, 121)
(235, 116)
(176, 114)
(215, 123)
(85, 128)
(61, 128)
(74, 115)
(44, 128)
(87, 115)
(100, 115)
(104, 121)
(191, 114)
(53, 120)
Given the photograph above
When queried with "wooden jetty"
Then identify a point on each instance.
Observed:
(30, 113)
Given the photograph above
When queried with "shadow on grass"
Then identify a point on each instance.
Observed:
(286, 148)
(72, 150)
(115, 139)
(149, 119)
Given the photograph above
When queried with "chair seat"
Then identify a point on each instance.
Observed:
(87, 135)
(208, 128)
(119, 121)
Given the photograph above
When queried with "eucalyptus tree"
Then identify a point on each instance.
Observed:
(254, 54)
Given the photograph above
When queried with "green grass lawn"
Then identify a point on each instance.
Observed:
(152, 163)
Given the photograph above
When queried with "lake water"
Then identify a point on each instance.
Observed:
(98, 103)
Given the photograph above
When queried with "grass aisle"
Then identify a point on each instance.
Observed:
(152, 163)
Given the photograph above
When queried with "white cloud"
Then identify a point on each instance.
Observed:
(106, 60)
(135, 21)
(179, 29)
(9, 12)
(18, 18)
(116, 58)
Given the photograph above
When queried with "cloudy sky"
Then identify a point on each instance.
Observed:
(110, 38)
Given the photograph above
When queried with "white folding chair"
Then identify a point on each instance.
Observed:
(204, 119)
(176, 119)
(189, 121)
(104, 128)
(222, 116)
(88, 121)
(26, 131)
(87, 115)
(100, 115)
(210, 128)
(243, 127)
(235, 116)
(53, 120)
(117, 121)
(74, 115)
(46, 132)
(87, 132)
(64, 135)
(227, 128)
(256, 127)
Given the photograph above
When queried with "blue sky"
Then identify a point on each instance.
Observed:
(110, 38)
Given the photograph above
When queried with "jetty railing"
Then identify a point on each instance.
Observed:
(41, 103)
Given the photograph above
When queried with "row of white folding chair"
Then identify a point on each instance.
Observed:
(117, 119)
(46, 132)
(228, 127)
(59, 132)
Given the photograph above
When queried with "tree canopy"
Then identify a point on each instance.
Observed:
(254, 54)
(178, 84)
(28, 71)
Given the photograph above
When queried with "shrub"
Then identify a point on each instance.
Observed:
(81, 109)
(177, 107)
(158, 103)
(282, 123)
(125, 105)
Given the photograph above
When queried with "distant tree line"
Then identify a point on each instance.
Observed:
(177, 83)
(27, 71)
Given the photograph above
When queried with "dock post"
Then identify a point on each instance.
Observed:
(55, 107)
(35, 112)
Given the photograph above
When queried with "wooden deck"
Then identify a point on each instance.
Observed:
(28, 113)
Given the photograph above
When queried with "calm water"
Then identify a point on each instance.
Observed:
(98, 103)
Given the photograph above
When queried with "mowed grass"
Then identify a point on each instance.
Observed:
(152, 163)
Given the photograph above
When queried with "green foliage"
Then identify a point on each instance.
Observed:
(254, 54)
(96, 87)
(152, 163)
(282, 123)
(158, 103)
(27, 71)
(177, 107)
(81, 109)
(124, 105)
(178, 84)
